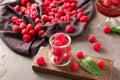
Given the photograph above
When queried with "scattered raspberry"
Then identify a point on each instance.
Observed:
(79, 54)
(91, 38)
(29, 27)
(84, 19)
(23, 9)
(106, 29)
(101, 63)
(23, 2)
(96, 46)
(26, 38)
(69, 28)
(115, 2)
(74, 66)
(16, 28)
(45, 18)
(17, 8)
(22, 25)
(37, 20)
(25, 31)
(79, 15)
(32, 32)
(107, 3)
(41, 32)
(37, 28)
(40, 61)
(13, 19)
(18, 21)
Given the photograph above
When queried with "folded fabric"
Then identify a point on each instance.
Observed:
(14, 40)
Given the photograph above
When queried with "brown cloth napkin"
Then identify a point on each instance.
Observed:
(14, 40)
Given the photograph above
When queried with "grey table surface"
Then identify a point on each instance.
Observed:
(19, 67)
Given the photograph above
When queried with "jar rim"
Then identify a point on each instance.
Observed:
(66, 35)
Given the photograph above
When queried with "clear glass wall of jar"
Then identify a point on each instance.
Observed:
(60, 55)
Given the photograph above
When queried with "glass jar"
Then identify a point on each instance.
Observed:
(60, 55)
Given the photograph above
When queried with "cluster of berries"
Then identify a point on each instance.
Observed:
(53, 10)
(62, 53)
(108, 3)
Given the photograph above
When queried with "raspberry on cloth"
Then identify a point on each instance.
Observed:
(52, 25)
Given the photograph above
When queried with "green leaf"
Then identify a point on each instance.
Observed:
(90, 65)
(115, 30)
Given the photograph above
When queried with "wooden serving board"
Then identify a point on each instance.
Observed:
(66, 72)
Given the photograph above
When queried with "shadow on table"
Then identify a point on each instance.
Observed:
(116, 74)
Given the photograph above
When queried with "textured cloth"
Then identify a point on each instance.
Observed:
(14, 40)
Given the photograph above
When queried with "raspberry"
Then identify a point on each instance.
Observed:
(51, 13)
(91, 38)
(96, 46)
(23, 2)
(57, 15)
(55, 52)
(107, 3)
(37, 28)
(57, 43)
(74, 12)
(64, 41)
(17, 8)
(79, 15)
(80, 10)
(79, 54)
(54, 20)
(101, 63)
(22, 25)
(69, 28)
(50, 18)
(18, 21)
(73, 5)
(67, 18)
(115, 2)
(40, 61)
(84, 19)
(33, 15)
(25, 31)
(26, 38)
(46, 3)
(28, 4)
(74, 66)
(59, 36)
(45, 18)
(16, 28)
(37, 20)
(57, 60)
(106, 29)
(23, 9)
(41, 32)
(68, 56)
(32, 32)
(13, 19)
(29, 27)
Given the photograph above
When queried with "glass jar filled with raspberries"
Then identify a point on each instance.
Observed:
(60, 52)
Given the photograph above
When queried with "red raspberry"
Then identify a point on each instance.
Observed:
(52, 5)
(57, 43)
(84, 19)
(46, 3)
(101, 63)
(16, 28)
(55, 20)
(73, 5)
(57, 60)
(45, 18)
(37, 28)
(41, 32)
(25, 31)
(33, 15)
(115, 2)
(62, 18)
(80, 10)
(40, 61)
(23, 9)
(106, 29)
(69, 28)
(37, 20)
(74, 66)
(26, 38)
(54, 10)
(50, 18)
(51, 13)
(13, 19)
(57, 15)
(60, 36)
(18, 21)
(74, 12)
(73, 1)
(64, 41)
(55, 52)
(68, 56)
(96, 46)
(32, 32)
(29, 27)
(17, 8)
(91, 38)
(23, 2)
(28, 4)
(79, 54)
(67, 18)
(107, 3)
(79, 15)
(22, 25)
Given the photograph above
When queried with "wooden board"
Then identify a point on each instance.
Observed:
(66, 72)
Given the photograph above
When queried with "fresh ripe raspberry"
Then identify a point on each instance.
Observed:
(32, 32)
(25, 31)
(57, 43)
(60, 36)
(57, 15)
(115, 2)
(64, 41)
(33, 15)
(106, 29)
(84, 19)
(52, 5)
(57, 60)
(17, 8)
(22, 25)
(40, 61)
(73, 1)
(67, 18)
(74, 66)
(92, 38)
(26, 38)
(23, 2)
(37, 28)
(80, 10)
(55, 20)
(28, 4)
(18, 21)
(96, 46)
(107, 3)
(41, 32)
(51, 14)
(45, 18)
(50, 18)
(101, 63)
(79, 15)
(73, 5)
(69, 28)
(16, 28)
(74, 12)
(62, 18)
(68, 56)
(29, 27)
(37, 20)
(55, 52)
(13, 19)
(79, 54)
(23, 9)
(46, 3)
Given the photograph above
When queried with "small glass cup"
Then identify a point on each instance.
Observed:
(60, 55)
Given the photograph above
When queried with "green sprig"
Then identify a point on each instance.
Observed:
(115, 30)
